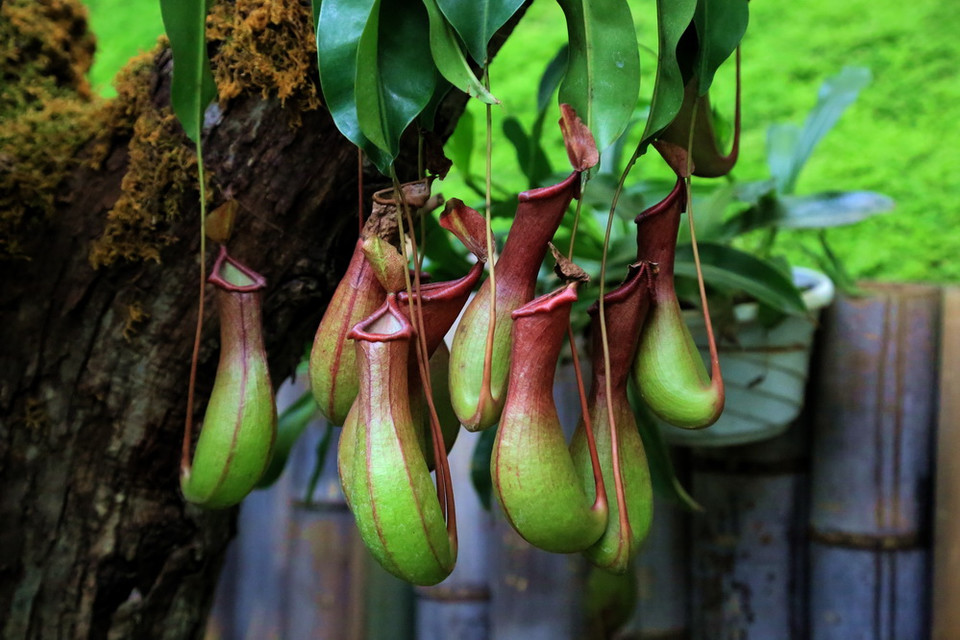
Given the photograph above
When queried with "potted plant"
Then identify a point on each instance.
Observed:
(764, 343)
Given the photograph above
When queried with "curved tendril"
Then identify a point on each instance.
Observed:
(605, 342)
(600, 490)
(576, 215)
(191, 385)
(360, 191)
(492, 323)
(423, 358)
(715, 376)
(444, 481)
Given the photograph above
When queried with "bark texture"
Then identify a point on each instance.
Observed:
(95, 539)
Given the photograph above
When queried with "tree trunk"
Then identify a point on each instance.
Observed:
(95, 539)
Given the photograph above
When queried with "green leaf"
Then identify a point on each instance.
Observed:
(611, 160)
(602, 79)
(290, 425)
(534, 160)
(662, 474)
(393, 82)
(816, 211)
(831, 264)
(339, 27)
(477, 20)
(832, 208)
(551, 78)
(710, 213)
(789, 147)
(530, 154)
(673, 18)
(427, 117)
(729, 268)
(192, 88)
(783, 138)
(449, 58)
(765, 212)
(319, 462)
(720, 27)
(459, 147)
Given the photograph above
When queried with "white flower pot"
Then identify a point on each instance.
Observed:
(765, 374)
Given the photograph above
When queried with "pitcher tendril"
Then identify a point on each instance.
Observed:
(198, 333)
(444, 481)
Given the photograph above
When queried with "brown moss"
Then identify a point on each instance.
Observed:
(160, 176)
(34, 416)
(135, 316)
(50, 124)
(266, 46)
(45, 43)
(47, 113)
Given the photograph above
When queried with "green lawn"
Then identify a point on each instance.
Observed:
(900, 138)
(124, 28)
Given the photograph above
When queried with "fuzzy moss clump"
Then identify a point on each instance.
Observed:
(266, 46)
(161, 170)
(50, 125)
(45, 50)
(261, 46)
(47, 114)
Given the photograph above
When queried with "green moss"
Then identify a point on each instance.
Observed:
(263, 47)
(47, 114)
(45, 49)
(161, 171)
(899, 138)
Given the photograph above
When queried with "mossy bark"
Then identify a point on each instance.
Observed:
(95, 539)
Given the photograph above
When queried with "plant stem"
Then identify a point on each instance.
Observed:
(605, 342)
(600, 491)
(359, 191)
(715, 376)
(491, 258)
(576, 216)
(191, 385)
(442, 464)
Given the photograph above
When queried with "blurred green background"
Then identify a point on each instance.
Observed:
(900, 138)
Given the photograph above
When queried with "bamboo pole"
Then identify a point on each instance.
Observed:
(301, 571)
(871, 466)
(536, 595)
(662, 568)
(459, 607)
(748, 547)
(946, 550)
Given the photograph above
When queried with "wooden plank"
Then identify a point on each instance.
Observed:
(946, 564)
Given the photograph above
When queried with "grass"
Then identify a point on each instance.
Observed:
(124, 28)
(900, 138)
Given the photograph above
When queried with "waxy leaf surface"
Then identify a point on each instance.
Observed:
(728, 267)
(449, 57)
(192, 87)
(477, 20)
(395, 78)
(340, 23)
(602, 79)
(673, 17)
(720, 27)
